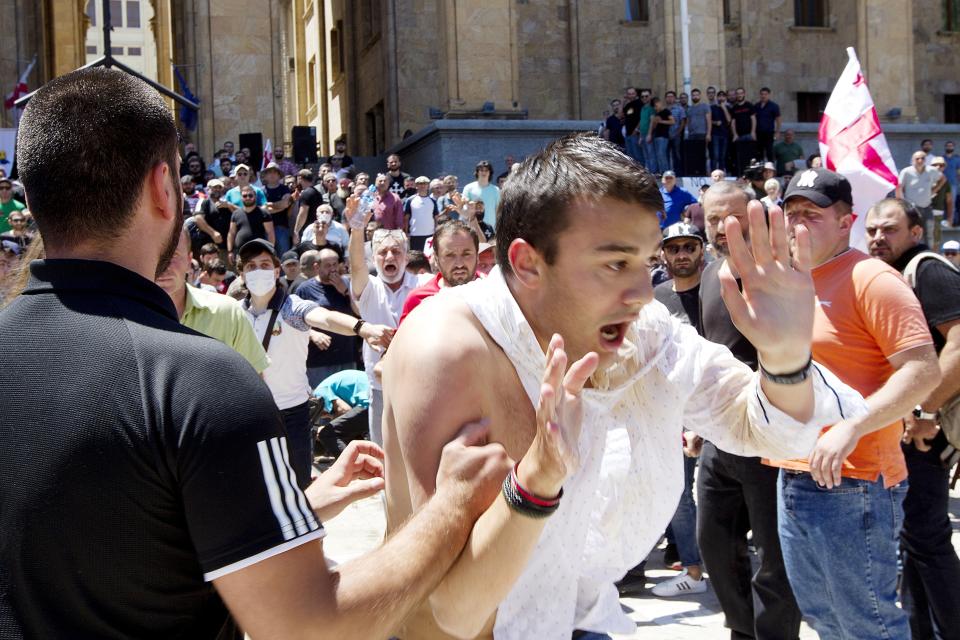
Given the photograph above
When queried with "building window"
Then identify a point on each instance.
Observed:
(92, 49)
(951, 108)
(133, 14)
(370, 19)
(116, 13)
(337, 60)
(727, 15)
(810, 106)
(92, 12)
(134, 51)
(117, 51)
(637, 11)
(311, 82)
(951, 15)
(811, 13)
(376, 138)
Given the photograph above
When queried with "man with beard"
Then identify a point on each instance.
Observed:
(379, 298)
(247, 223)
(682, 252)
(931, 570)
(396, 178)
(455, 249)
(737, 493)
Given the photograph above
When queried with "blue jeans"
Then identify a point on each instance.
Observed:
(683, 527)
(282, 235)
(660, 146)
(718, 152)
(649, 156)
(634, 149)
(840, 549)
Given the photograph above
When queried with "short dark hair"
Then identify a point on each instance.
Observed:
(451, 227)
(926, 140)
(695, 89)
(535, 199)
(209, 248)
(73, 146)
(914, 218)
(670, 93)
(767, 89)
(215, 266)
(416, 261)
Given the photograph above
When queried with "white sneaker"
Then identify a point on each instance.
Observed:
(680, 585)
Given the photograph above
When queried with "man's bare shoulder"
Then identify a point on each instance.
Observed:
(442, 332)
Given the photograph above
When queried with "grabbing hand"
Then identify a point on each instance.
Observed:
(217, 238)
(692, 444)
(357, 473)
(554, 454)
(377, 336)
(833, 447)
(776, 307)
(320, 340)
(471, 471)
(919, 431)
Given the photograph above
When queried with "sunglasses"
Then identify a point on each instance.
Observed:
(949, 253)
(686, 247)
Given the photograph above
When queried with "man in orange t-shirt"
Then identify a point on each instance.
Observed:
(840, 511)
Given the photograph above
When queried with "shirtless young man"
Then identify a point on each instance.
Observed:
(577, 225)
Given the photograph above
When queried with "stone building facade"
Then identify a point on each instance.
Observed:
(375, 71)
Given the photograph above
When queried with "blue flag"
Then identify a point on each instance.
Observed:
(188, 116)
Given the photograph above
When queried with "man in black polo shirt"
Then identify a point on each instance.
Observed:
(744, 130)
(931, 568)
(736, 494)
(136, 499)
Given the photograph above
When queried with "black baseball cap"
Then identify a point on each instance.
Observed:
(254, 248)
(820, 186)
(682, 230)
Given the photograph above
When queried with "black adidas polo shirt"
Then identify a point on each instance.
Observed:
(139, 460)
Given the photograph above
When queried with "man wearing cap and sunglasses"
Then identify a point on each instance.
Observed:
(243, 175)
(840, 511)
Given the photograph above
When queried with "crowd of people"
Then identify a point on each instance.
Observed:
(546, 372)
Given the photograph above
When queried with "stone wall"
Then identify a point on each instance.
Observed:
(936, 60)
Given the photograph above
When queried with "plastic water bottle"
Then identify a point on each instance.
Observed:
(366, 200)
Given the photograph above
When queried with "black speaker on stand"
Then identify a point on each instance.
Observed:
(305, 145)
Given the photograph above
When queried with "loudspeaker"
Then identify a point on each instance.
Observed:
(305, 145)
(254, 142)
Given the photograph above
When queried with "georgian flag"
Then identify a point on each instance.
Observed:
(852, 144)
(267, 155)
(21, 88)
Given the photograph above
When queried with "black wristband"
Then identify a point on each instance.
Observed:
(517, 502)
(356, 327)
(794, 377)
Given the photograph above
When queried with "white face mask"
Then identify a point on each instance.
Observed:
(260, 282)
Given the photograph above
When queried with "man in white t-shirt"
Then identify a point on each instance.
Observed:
(379, 298)
(917, 184)
(482, 189)
(419, 210)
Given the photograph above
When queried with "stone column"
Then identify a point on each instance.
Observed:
(68, 27)
(885, 49)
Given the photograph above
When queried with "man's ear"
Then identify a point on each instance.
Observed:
(160, 194)
(526, 262)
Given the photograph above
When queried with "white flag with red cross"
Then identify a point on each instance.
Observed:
(852, 144)
(267, 155)
(21, 87)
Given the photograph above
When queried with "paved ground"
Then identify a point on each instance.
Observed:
(360, 528)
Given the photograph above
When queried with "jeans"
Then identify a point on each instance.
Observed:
(300, 442)
(316, 375)
(376, 415)
(931, 569)
(683, 527)
(634, 149)
(674, 149)
(765, 146)
(649, 155)
(840, 549)
(744, 150)
(282, 234)
(718, 152)
(663, 158)
(734, 495)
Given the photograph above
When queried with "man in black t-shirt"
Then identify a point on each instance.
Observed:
(682, 253)
(736, 494)
(931, 569)
(310, 199)
(632, 106)
(212, 220)
(397, 178)
(613, 126)
(744, 131)
(178, 499)
(247, 223)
